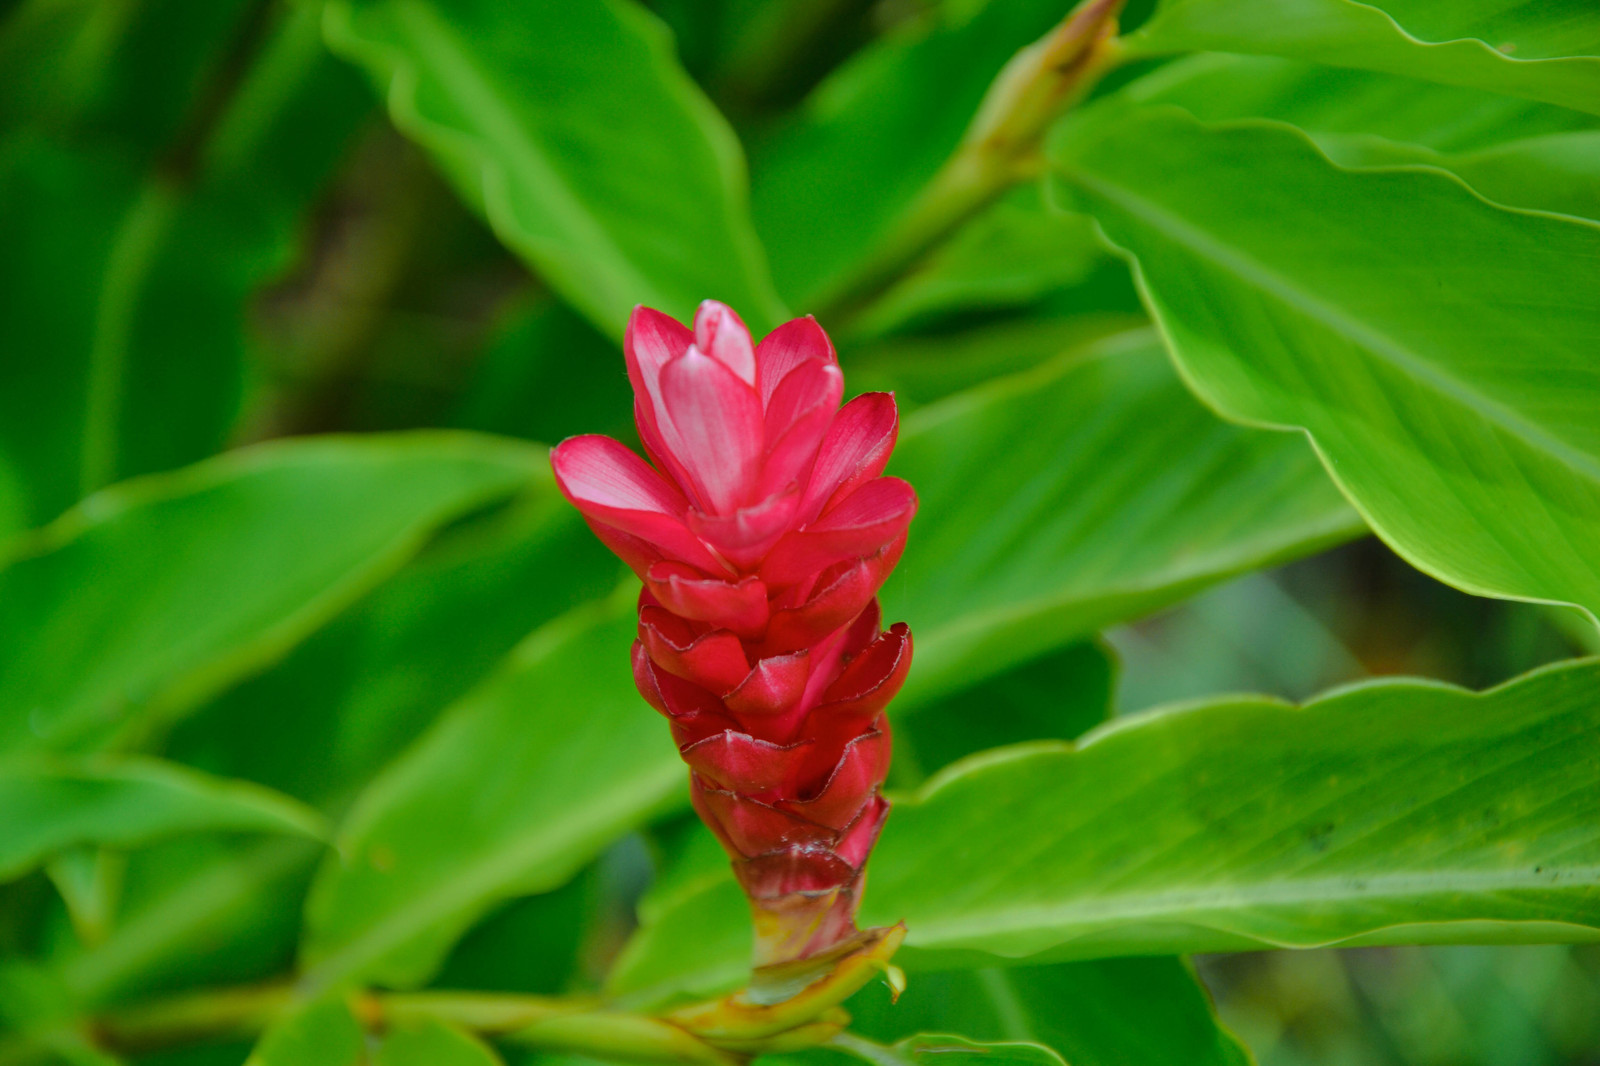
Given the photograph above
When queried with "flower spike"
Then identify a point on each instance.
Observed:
(762, 528)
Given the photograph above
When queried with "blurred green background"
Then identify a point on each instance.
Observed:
(199, 193)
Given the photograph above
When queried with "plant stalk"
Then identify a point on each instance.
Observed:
(724, 1032)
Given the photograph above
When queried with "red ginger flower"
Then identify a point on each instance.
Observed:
(762, 533)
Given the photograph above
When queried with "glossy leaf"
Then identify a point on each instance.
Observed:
(369, 683)
(1122, 495)
(1547, 51)
(1332, 100)
(573, 130)
(323, 1033)
(1451, 393)
(124, 290)
(52, 805)
(1559, 172)
(433, 1044)
(519, 784)
(1388, 813)
(356, 693)
(1392, 812)
(157, 593)
(1515, 152)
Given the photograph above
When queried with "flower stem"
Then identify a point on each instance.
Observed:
(723, 1032)
(1000, 148)
(193, 1017)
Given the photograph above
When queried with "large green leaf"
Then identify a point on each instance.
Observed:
(1390, 812)
(518, 785)
(1451, 393)
(1332, 100)
(127, 273)
(1559, 172)
(364, 687)
(574, 131)
(827, 186)
(1386, 813)
(157, 593)
(357, 692)
(1085, 492)
(50, 805)
(1541, 49)
(1515, 152)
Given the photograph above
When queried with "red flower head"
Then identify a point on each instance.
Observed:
(762, 533)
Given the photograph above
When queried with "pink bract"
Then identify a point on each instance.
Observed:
(762, 528)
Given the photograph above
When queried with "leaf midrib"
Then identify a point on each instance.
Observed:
(1196, 906)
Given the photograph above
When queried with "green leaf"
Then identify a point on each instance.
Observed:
(517, 786)
(1559, 172)
(1121, 495)
(50, 805)
(1450, 393)
(573, 130)
(132, 263)
(357, 693)
(1514, 152)
(322, 1034)
(1547, 51)
(433, 1044)
(1393, 812)
(364, 687)
(833, 181)
(1106, 1012)
(1331, 100)
(157, 593)
(1388, 813)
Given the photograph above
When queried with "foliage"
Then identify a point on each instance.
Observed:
(318, 740)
